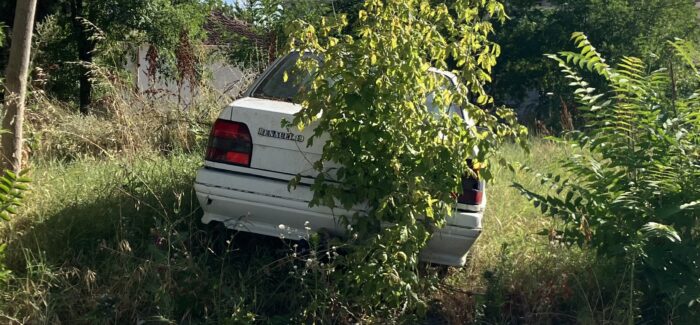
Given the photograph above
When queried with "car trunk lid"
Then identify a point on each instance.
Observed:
(276, 149)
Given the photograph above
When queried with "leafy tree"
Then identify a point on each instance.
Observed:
(621, 27)
(11, 185)
(634, 190)
(396, 156)
(97, 31)
(166, 22)
(268, 22)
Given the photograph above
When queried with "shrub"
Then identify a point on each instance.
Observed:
(529, 82)
(394, 155)
(635, 182)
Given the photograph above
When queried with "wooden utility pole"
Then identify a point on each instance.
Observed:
(16, 84)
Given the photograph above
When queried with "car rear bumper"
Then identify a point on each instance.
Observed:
(264, 206)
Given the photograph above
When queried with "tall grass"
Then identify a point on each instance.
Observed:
(515, 273)
(124, 122)
(110, 234)
(119, 241)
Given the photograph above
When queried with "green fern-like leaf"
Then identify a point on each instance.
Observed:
(12, 189)
(633, 190)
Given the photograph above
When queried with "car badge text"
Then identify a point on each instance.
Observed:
(280, 135)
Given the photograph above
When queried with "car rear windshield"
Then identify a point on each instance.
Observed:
(444, 83)
(274, 86)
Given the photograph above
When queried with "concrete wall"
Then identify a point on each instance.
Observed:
(221, 77)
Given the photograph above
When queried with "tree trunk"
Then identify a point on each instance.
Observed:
(16, 84)
(85, 48)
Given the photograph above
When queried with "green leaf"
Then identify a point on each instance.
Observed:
(12, 176)
(653, 229)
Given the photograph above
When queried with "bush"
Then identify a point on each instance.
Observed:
(526, 80)
(382, 144)
(635, 182)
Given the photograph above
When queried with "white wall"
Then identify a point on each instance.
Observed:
(220, 75)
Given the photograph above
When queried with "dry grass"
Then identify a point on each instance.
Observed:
(122, 122)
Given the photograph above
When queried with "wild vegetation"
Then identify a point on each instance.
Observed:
(527, 80)
(119, 241)
(386, 141)
(631, 189)
(109, 231)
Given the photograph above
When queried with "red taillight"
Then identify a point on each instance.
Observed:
(230, 143)
(472, 188)
(472, 191)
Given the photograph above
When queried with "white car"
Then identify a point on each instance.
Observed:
(250, 160)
